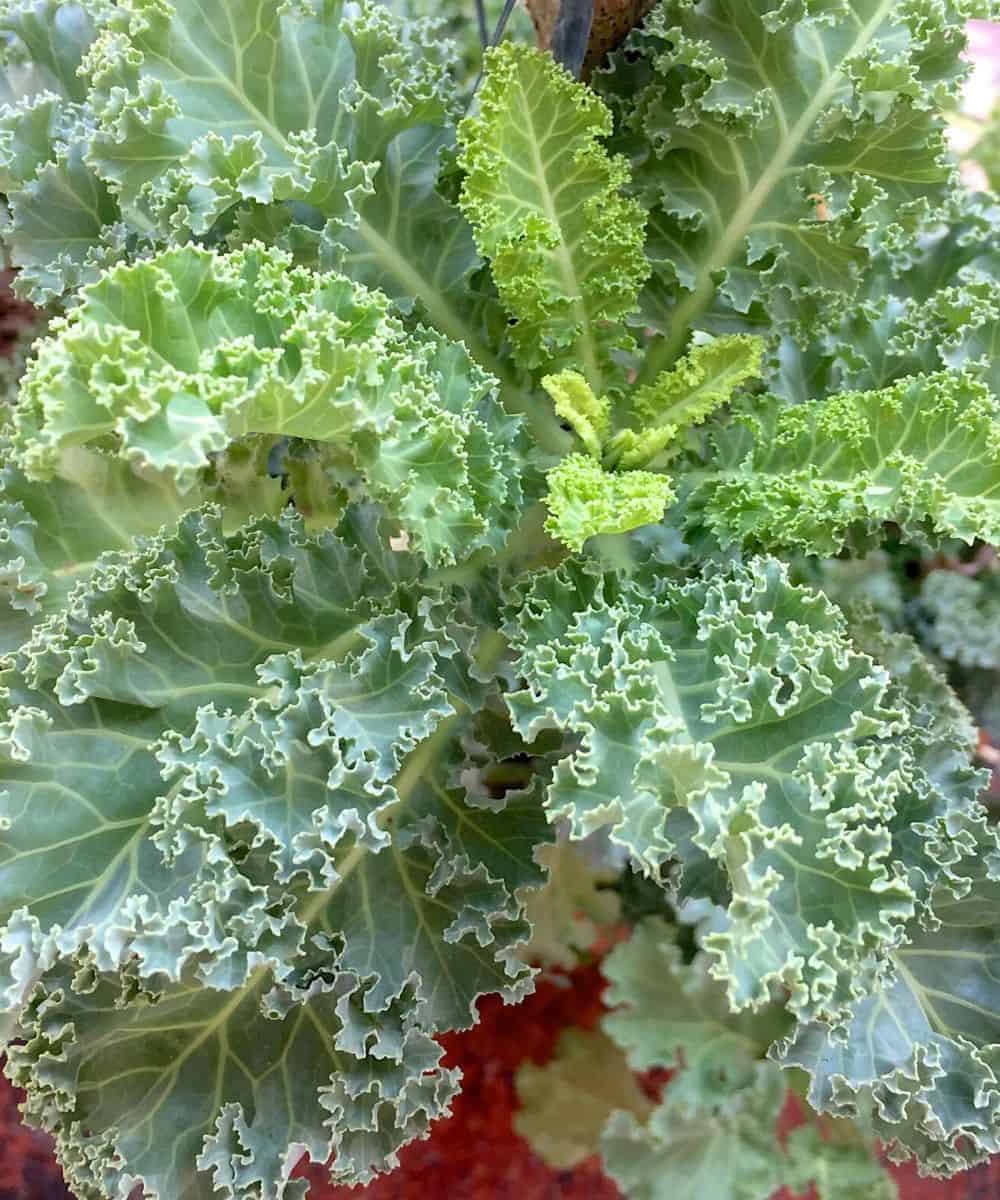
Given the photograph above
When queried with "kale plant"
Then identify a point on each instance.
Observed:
(434, 521)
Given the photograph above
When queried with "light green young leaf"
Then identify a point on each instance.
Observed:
(923, 453)
(565, 1104)
(779, 147)
(167, 363)
(585, 500)
(545, 201)
(577, 405)
(702, 381)
(732, 719)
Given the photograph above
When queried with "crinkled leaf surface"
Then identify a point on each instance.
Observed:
(233, 785)
(170, 361)
(840, 1166)
(671, 1013)
(64, 223)
(732, 719)
(923, 453)
(921, 1053)
(53, 531)
(544, 199)
(585, 500)
(683, 396)
(959, 617)
(312, 124)
(239, 1083)
(935, 309)
(778, 147)
(154, 639)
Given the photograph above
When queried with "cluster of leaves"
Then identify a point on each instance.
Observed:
(393, 498)
(713, 1129)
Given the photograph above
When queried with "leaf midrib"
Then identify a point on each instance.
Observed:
(390, 254)
(663, 352)
(564, 259)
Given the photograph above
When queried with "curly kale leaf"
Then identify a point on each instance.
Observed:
(544, 198)
(242, 842)
(777, 148)
(731, 1154)
(731, 722)
(171, 361)
(958, 617)
(584, 500)
(935, 309)
(671, 1013)
(315, 125)
(811, 478)
(920, 1055)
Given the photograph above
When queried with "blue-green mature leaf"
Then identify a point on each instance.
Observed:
(958, 617)
(923, 453)
(778, 147)
(52, 532)
(144, 1086)
(64, 223)
(937, 309)
(234, 786)
(152, 639)
(672, 1013)
(921, 1053)
(311, 124)
(168, 362)
(544, 198)
(149, 663)
(732, 719)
